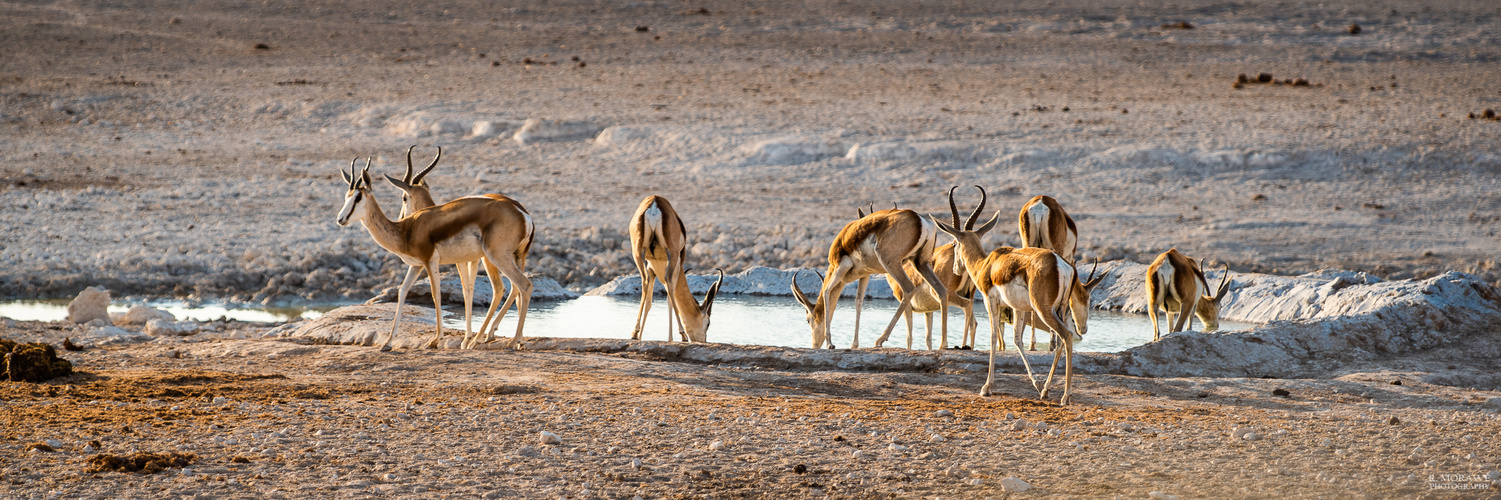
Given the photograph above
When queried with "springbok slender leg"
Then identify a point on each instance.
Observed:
(467, 273)
(401, 299)
(434, 278)
(859, 306)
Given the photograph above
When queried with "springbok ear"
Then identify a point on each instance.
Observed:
(859, 213)
(395, 182)
(947, 229)
(708, 306)
(989, 225)
(347, 179)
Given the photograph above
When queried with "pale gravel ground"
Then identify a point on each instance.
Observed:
(352, 422)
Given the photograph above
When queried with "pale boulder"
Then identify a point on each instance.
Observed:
(542, 130)
(91, 304)
(140, 315)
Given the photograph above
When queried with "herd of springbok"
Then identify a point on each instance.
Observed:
(1035, 285)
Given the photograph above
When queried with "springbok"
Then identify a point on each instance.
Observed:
(879, 242)
(1175, 283)
(1043, 223)
(659, 246)
(493, 227)
(416, 195)
(1030, 281)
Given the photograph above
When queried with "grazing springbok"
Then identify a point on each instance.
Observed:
(1033, 282)
(659, 245)
(1043, 223)
(1175, 283)
(879, 242)
(961, 293)
(494, 228)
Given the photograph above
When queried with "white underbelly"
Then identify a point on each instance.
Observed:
(465, 246)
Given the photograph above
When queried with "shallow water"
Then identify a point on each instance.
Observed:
(746, 320)
(779, 321)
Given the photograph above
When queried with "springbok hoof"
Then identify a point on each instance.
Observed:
(1064, 401)
(1043, 394)
(985, 390)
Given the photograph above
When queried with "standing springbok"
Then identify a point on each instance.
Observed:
(961, 293)
(493, 227)
(880, 242)
(416, 195)
(1175, 283)
(659, 246)
(1030, 281)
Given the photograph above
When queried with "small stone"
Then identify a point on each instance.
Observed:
(1014, 485)
(1158, 495)
(1251, 436)
(1281, 392)
(53, 443)
(1393, 421)
(636, 463)
(799, 469)
(896, 447)
(550, 438)
(937, 439)
(859, 454)
(716, 445)
(1493, 476)
(943, 413)
(1326, 443)
(1493, 403)
(1019, 424)
(1239, 432)
(1128, 449)
(955, 472)
(976, 482)
(388, 477)
(1041, 426)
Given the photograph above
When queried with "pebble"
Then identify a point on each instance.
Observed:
(937, 439)
(55, 444)
(1158, 495)
(953, 472)
(1019, 424)
(1055, 432)
(550, 438)
(636, 463)
(1251, 436)
(388, 477)
(1493, 476)
(1014, 485)
(1326, 443)
(858, 454)
(1041, 426)
(1239, 432)
(943, 413)
(896, 447)
(88, 449)
(716, 445)
(976, 482)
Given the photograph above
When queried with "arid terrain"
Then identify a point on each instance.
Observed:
(189, 149)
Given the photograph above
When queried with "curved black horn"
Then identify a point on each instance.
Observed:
(349, 177)
(1224, 284)
(1091, 281)
(969, 225)
(408, 177)
(418, 179)
(954, 210)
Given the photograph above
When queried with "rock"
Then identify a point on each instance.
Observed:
(1281, 392)
(1019, 424)
(1393, 421)
(543, 130)
(167, 328)
(550, 438)
(1326, 443)
(90, 304)
(110, 335)
(53, 443)
(1014, 485)
(793, 149)
(140, 315)
(1041, 426)
(896, 447)
(1252, 436)
(486, 129)
(716, 445)
(636, 463)
(943, 413)
(976, 482)
(98, 323)
(621, 134)
(1493, 476)
(1158, 495)
(859, 454)
(1239, 432)
(937, 439)
(1493, 403)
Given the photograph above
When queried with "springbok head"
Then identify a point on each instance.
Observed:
(415, 194)
(359, 189)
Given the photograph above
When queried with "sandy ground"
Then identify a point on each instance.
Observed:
(153, 148)
(281, 419)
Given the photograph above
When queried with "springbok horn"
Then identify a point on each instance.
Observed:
(953, 209)
(408, 177)
(969, 225)
(418, 179)
(1224, 284)
(349, 177)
